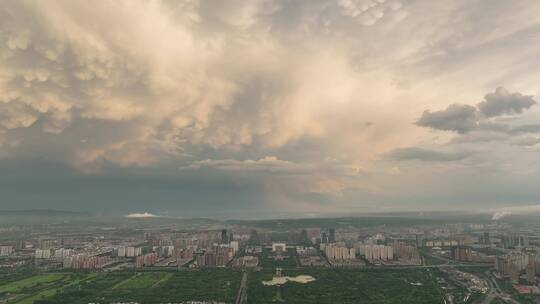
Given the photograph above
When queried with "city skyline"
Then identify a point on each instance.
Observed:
(261, 109)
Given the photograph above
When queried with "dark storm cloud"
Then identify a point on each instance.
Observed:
(421, 154)
(502, 102)
(466, 118)
(224, 106)
(530, 128)
(458, 118)
(527, 141)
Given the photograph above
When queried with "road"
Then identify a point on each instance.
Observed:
(496, 292)
(437, 266)
(241, 297)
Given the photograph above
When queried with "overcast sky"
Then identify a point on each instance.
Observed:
(259, 108)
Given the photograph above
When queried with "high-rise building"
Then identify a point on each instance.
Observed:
(42, 254)
(406, 252)
(335, 252)
(524, 241)
(62, 253)
(83, 261)
(332, 235)
(462, 253)
(530, 273)
(373, 252)
(6, 250)
(254, 238)
(224, 239)
(234, 246)
(21, 244)
(324, 238)
(419, 240)
(148, 259)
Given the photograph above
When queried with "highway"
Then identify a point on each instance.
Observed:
(241, 297)
(495, 292)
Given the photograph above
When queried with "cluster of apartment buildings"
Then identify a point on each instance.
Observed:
(6, 250)
(337, 252)
(128, 252)
(218, 256)
(149, 259)
(514, 264)
(374, 252)
(84, 261)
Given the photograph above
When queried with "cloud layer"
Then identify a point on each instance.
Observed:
(268, 105)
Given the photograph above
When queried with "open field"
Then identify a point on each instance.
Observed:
(349, 286)
(142, 287)
(30, 282)
(331, 285)
(144, 280)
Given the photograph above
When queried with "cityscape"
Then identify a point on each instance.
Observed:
(62, 257)
(269, 151)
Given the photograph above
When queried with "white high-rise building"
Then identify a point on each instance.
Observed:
(368, 252)
(6, 250)
(234, 245)
(62, 253)
(133, 251)
(390, 252)
(42, 254)
(335, 252)
(376, 252)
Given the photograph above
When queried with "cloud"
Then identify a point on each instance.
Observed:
(466, 118)
(502, 102)
(268, 163)
(500, 214)
(414, 153)
(506, 211)
(368, 12)
(141, 215)
(458, 118)
(527, 141)
(272, 164)
(528, 128)
(17, 115)
(271, 94)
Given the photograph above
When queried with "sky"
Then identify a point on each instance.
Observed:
(267, 108)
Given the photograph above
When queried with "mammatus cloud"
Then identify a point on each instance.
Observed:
(141, 215)
(197, 99)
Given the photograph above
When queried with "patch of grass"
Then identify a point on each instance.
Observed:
(350, 286)
(144, 280)
(149, 287)
(31, 282)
